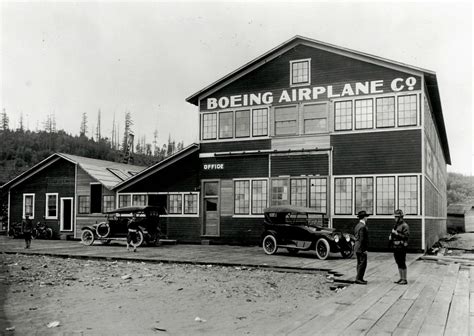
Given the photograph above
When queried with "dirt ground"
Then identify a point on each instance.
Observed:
(90, 297)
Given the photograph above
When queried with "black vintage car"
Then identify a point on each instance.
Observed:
(302, 229)
(115, 227)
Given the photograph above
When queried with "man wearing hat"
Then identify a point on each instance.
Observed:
(399, 241)
(361, 244)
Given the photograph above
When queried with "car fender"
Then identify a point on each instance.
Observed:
(89, 227)
(267, 232)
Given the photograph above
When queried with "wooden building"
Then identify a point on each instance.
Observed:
(66, 192)
(309, 124)
(460, 218)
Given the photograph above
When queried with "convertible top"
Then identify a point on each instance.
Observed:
(134, 209)
(292, 209)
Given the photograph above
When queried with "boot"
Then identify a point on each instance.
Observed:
(400, 273)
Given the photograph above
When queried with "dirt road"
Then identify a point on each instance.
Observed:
(91, 297)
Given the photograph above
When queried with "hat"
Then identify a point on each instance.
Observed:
(361, 214)
(398, 213)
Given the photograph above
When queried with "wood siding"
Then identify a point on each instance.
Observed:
(231, 146)
(392, 152)
(227, 197)
(56, 178)
(296, 165)
(183, 229)
(379, 230)
(306, 142)
(326, 69)
(236, 167)
(242, 231)
(434, 230)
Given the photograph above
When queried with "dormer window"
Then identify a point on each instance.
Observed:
(300, 72)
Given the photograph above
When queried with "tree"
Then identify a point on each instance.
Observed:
(83, 130)
(97, 133)
(460, 188)
(171, 146)
(49, 125)
(127, 132)
(4, 121)
(21, 126)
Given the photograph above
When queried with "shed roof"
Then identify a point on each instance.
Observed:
(459, 209)
(429, 76)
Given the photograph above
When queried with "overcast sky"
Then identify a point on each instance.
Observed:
(69, 58)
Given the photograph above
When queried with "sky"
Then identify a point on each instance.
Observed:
(70, 58)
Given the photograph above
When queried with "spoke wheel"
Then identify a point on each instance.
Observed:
(138, 239)
(322, 248)
(87, 237)
(269, 244)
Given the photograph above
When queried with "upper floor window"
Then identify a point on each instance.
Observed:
(242, 123)
(385, 112)
(315, 118)
(286, 120)
(407, 110)
(343, 115)
(300, 72)
(209, 126)
(226, 124)
(363, 113)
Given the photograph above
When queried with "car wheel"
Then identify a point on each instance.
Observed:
(292, 251)
(269, 244)
(322, 248)
(103, 230)
(87, 237)
(138, 240)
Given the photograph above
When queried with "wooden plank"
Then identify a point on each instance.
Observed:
(392, 317)
(458, 318)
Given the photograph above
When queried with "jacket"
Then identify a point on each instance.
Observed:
(400, 239)
(361, 234)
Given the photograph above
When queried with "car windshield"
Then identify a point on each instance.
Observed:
(315, 219)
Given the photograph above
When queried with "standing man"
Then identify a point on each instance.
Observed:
(132, 234)
(361, 244)
(27, 229)
(399, 242)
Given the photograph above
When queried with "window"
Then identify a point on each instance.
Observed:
(209, 126)
(343, 115)
(226, 125)
(241, 197)
(260, 122)
(364, 113)
(408, 194)
(109, 203)
(259, 196)
(364, 194)
(285, 120)
(190, 204)
(386, 112)
(175, 204)
(125, 201)
(343, 196)
(96, 197)
(139, 200)
(279, 191)
(407, 110)
(84, 204)
(29, 205)
(298, 192)
(317, 194)
(385, 195)
(51, 206)
(315, 118)
(300, 72)
(242, 123)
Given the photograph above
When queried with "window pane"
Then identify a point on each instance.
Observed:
(209, 126)
(242, 197)
(343, 196)
(175, 204)
(259, 196)
(242, 123)
(226, 124)
(109, 203)
(285, 120)
(300, 72)
(52, 206)
(343, 115)
(408, 194)
(318, 194)
(298, 192)
(139, 200)
(260, 122)
(386, 112)
(407, 110)
(84, 204)
(385, 195)
(125, 201)
(364, 113)
(279, 191)
(29, 205)
(211, 189)
(364, 194)
(190, 203)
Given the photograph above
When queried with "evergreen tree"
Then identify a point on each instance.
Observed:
(21, 126)
(98, 136)
(83, 129)
(4, 121)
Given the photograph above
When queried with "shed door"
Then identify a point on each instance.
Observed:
(211, 208)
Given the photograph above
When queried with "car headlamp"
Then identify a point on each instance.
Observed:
(348, 238)
(336, 238)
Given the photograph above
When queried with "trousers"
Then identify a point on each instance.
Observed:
(361, 265)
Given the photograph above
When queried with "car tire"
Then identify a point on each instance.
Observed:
(292, 251)
(322, 248)
(87, 237)
(138, 241)
(269, 244)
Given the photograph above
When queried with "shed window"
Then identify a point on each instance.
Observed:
(343, 115)
(191, 204)
(286, 120)
(29, 205)
(408, 194)
(139, 200)
(226, 125)
(385, 195)
(51, 206)
(242, 123)
(343, 196)
(109, 203)
(317, 194)
(385, 112)
(175, 204)
(125, 201)
(364, 194)
(260, 122)
(315, 118)
(300, 72)
(84, 204)
(364, 113)
(407, 110)
(209, 126)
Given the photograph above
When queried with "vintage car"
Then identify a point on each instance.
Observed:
(302, 229)
(115, 227)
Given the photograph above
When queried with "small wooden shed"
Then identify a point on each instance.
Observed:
(460, 217)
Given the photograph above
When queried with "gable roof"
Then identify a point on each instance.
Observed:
(194, 147)
(103, 171)
(428, 75)
(459, 209)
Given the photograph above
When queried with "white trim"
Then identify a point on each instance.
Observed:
(47, 206)
(76, 200)
(32, 205)
(423, 165)
(8, 212)
(61, 220)
(248, 216)
(309, 72)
